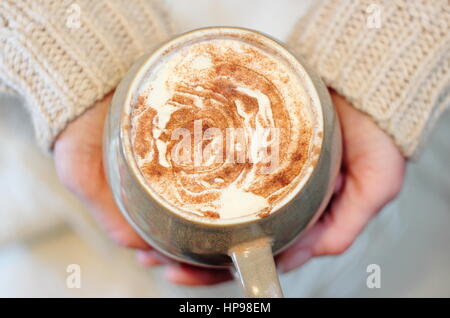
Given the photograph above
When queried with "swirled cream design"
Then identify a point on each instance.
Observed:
(217, 95)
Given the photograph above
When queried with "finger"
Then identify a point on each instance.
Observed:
(297, 256)
(101, 203)
(339, 183)
(108, 214)
(292, 258)
(373, 170)
(184, 274)
(78, 158)
(152, 258)
(104, 209)
(346, 218)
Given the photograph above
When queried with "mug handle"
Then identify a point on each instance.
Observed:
(256, 268)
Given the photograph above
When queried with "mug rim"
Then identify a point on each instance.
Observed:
(178, 41)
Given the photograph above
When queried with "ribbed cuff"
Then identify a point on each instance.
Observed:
(390, 59)
(63, 56)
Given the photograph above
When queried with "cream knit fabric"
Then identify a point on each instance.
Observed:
(391, 59)
(62, 56)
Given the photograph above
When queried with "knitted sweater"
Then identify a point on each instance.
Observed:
(62, 56)
(390, 59)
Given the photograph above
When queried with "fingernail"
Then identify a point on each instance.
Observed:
(339, 183)
(152, 258)
(163, 258)
(146, 260)
(294, 260)
(175, 275)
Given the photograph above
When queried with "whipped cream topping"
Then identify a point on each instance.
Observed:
(222, 129)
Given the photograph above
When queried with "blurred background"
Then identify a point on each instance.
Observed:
(44, 229)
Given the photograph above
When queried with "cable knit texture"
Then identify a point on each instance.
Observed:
(62, 56)
(390, 59)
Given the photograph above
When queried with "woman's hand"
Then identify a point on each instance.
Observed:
(371, 176)
(79, 164)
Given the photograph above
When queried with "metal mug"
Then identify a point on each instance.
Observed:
(248, 245)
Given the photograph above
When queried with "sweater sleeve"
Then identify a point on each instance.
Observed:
(390, 59)
(63, 56)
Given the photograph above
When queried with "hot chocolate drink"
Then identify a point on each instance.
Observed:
(224, 128)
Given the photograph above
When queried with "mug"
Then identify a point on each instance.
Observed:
(250, 243)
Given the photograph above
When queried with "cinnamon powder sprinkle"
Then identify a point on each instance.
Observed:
(217, 89)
